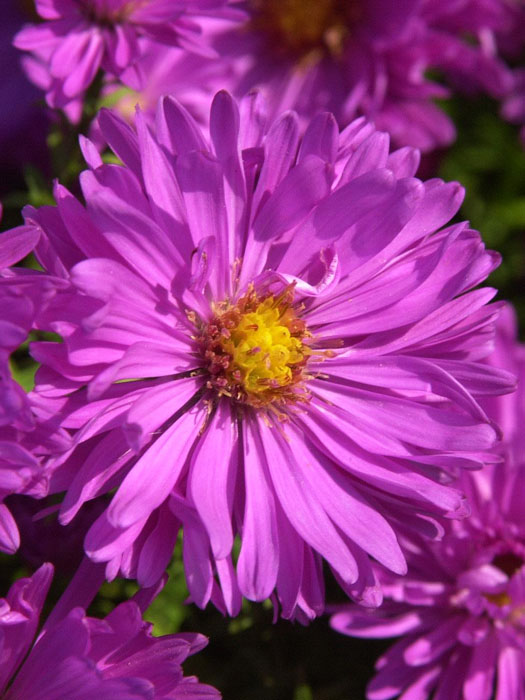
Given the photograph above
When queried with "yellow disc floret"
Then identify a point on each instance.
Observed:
(255, 350)
(263, 349)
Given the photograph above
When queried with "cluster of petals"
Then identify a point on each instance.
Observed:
(381, 416)
(19, 466)
(84, 658)
(355, 58)
(79, 37)
(460, 610)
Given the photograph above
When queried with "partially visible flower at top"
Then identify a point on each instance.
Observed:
(357, 57)
(84, 658)
(264, 337)
(460, 610)
(79, 37)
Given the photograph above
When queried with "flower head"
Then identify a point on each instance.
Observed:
(79, 37)
(264, 338)
(461, 607)
(82, 658)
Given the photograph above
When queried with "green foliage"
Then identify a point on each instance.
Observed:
(303, 692)
(24, 374)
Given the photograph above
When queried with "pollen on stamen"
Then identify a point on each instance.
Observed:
(255, 350)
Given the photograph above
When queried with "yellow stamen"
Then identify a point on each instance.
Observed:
(263, 349)
(255, 349)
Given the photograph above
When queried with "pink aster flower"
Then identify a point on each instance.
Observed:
(79, 37)
(461, 607)
(355, 57)
(83, 658)
(265, 338)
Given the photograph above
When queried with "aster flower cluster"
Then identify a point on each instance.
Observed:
(263, 344)
(350, 58)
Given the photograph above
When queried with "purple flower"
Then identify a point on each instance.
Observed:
(264, 338)
(350, 58)
(83, 658)
(19, 468)
(460, 609)
(23, 442)
(79, 37)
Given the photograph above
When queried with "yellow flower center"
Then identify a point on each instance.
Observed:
(255, 350)
(304, 26)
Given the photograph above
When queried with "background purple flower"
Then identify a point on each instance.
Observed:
(19, 469)
(83, 658)
(351, 58)
(79, 37)
(264, 337)
(23, 442)
(460, 609)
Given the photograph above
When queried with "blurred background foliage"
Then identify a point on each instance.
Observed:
(252, 656)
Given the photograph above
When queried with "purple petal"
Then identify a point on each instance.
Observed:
(212, 490)
(139, 495)
(16, 244)
(259, 557)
